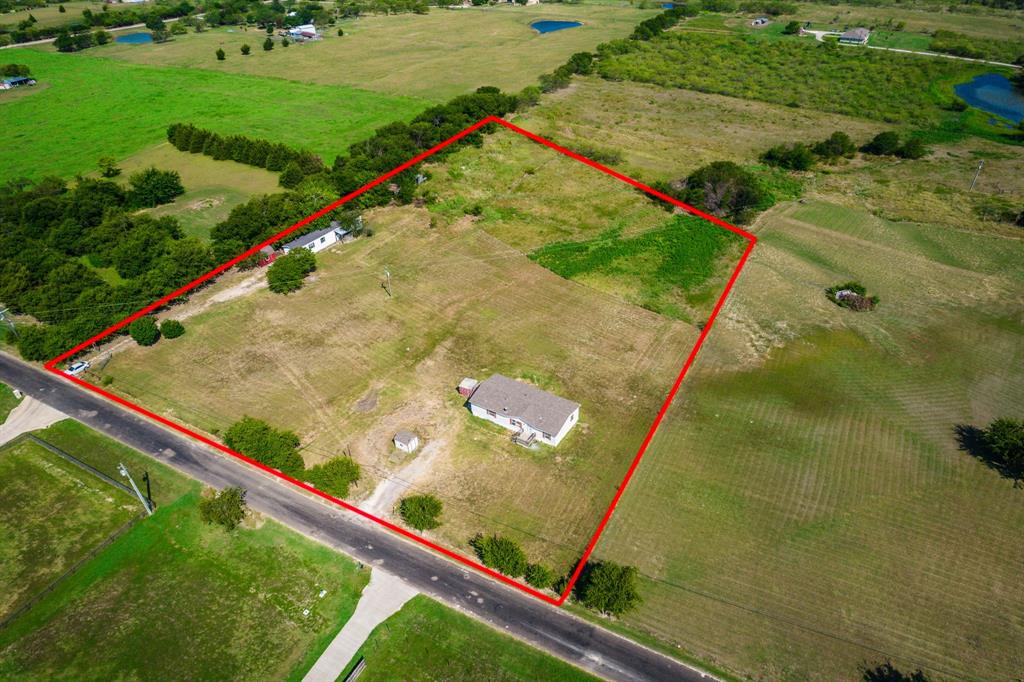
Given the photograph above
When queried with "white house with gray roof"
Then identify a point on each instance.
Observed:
(318, 240)
(530, 413)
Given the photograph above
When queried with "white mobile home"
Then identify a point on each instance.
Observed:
(319, 240)
(529, 412)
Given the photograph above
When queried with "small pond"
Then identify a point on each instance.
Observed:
(994, 94)
(552, 26)
(134, 38)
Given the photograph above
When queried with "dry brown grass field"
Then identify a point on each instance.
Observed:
(346, 366)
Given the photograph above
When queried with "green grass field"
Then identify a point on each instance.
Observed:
(809, 481)
(428, 641)
(7, 402)
(974, 21)
(65, 128)
(901, 40)
(52, 514)
(50, 15)
(435, 56)
(212, 188)
(173, 597)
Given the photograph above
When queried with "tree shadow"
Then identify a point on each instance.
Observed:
(971, 440)
(887, 672)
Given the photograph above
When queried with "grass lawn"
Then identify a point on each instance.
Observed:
(212, 188)
(429, 641)
(808, 478)
(50, 15)
(7, 402)
(884, 86)
(65, 128)
(52, 513)
(176, 598)
(464, 304)
(900, 40)
(434, 56)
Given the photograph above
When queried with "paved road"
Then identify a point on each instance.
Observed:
(554, 630)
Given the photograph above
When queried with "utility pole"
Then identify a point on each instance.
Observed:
(387, 286)
(145, 503)
(976, 174)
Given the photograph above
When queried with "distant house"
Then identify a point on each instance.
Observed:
(529, 412)
(855, 36)
(304, 32)
(406, 441)
(16, 82)
(760, 21)
(319, 240)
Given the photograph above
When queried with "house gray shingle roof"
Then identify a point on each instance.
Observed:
(405, 437)
(306, 239)
(860, 34)
(543, 411)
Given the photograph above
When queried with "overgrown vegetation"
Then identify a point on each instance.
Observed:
(852, 295)
(659, 264)
(55, 239)
(879, 85)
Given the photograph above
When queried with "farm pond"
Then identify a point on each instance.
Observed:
(994, 94)
(134, 38)
(548, 26)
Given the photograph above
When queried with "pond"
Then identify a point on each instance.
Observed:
(551, 26)
(994, 94)
(134, 38)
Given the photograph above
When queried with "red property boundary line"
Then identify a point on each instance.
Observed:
(556, 601)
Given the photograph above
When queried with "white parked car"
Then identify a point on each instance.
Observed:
(77, 368)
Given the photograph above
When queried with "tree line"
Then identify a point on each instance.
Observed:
(57, 240)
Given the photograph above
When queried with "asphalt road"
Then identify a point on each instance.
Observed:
(549, 628)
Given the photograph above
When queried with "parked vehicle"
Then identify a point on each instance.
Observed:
(77, 368)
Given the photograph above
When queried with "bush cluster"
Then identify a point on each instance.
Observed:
(144, 331)
(852, 295)
(421, 511)
(225, 508)
(242, 149)
(288, 272)
(889, 144)
(501, 554)
(171, 329)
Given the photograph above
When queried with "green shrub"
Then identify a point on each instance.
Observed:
(288, 272)
(144, 331)
(421, 511)
(501, 554)
(171, 329)
(539, 576)
(797, 156)
(883, 144)
(256, 439)
(226, 508)
(334, 476)
(725, 189)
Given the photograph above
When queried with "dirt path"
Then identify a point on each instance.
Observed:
(28, 416)
(387, 493)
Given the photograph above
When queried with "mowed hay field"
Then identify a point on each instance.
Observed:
(173, 597)
(805, 506)
(52, 513)
(346, 367)
(102, 107)
(212, 188)
(434, 56)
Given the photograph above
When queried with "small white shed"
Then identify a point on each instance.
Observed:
(406, 441)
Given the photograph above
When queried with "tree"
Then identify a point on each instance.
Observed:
(1005, 439)
(539, 576)
(61, 9)
(883, 144)
(155, 23)
(64, 42)
(152, 187)
(291, 176)
(108, 167)
(260, 441)
(796, 156)
(101, 37)
(144, 331)
(268, 44)
(288, 272)
(886, 672)
(341, 32)
(421, 511)
(178, 29)
(171, 329)
(245, 49)
(792, 28)
(285, 42)
(723, 188)
(221, 56)
(334, 476)
(608, 587)
(225, 507)
(500, 553)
